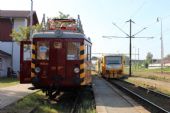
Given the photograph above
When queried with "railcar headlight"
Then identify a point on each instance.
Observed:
(37, 69)
(76, 70)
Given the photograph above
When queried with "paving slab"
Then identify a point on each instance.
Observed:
(111, 101)
(9, 95)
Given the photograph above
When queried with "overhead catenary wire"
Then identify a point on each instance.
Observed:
(139, 9)
(154, 23)
(110, 37)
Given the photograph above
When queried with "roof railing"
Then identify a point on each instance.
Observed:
(72, 25)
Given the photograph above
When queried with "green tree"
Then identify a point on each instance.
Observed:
(23, 33)
(63, 16)
(149, 57)
(167, 56)
(148, 60)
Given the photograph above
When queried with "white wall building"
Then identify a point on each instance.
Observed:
(5, 63)
(11, 19)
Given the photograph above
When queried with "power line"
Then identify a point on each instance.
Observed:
(153, 23)
(100, 53)
(110, 37)
(136, 12)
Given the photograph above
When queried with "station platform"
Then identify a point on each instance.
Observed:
(111, 100)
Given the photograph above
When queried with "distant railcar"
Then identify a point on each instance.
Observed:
(60, 60)
(112, 66)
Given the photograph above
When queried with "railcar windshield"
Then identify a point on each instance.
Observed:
(73, 50)
(43, 50)
(113, 60)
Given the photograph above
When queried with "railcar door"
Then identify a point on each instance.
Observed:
(57, 60)
(25, 62)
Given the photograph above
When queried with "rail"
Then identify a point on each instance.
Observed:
(152, 106)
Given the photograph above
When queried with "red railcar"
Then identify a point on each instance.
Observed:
(60, 60)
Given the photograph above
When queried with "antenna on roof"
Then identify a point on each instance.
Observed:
(79, 25)
(43, 23)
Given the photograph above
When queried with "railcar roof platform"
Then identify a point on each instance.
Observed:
(111, 100)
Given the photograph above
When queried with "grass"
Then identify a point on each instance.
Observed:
(154, 87)
(29, 102)
(5, 82)
(87, 104)
(43, 105)
(167, 69)
(154, 74)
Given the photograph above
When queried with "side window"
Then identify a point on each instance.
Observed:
(43, 50)
(0, 63)
(27, 52)
(86, 53)
(73, 50)
(89, 53)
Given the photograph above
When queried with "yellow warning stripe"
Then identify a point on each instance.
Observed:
(33, 56)
(82, 75)
(33, 46)
(32, 74)
(32, 65)
(82, 66)
(82, 57)
(81, 47)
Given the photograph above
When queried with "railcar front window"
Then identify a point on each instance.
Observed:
(113, 60)
(73, 51)
(43, 50)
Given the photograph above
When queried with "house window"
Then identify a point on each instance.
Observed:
(73, 51)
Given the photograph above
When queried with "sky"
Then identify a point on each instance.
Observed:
(98, 16)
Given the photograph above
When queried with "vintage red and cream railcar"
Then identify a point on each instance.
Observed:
(60, 60)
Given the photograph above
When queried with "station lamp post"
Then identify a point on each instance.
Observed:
(162, 47)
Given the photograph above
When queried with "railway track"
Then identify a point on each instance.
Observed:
(81, 101)
(71, 102)
(153, 101)
(75, 104)
(66, 102)
(84, 102)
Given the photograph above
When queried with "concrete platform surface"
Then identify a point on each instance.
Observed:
(110, 100)
(9, 95)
